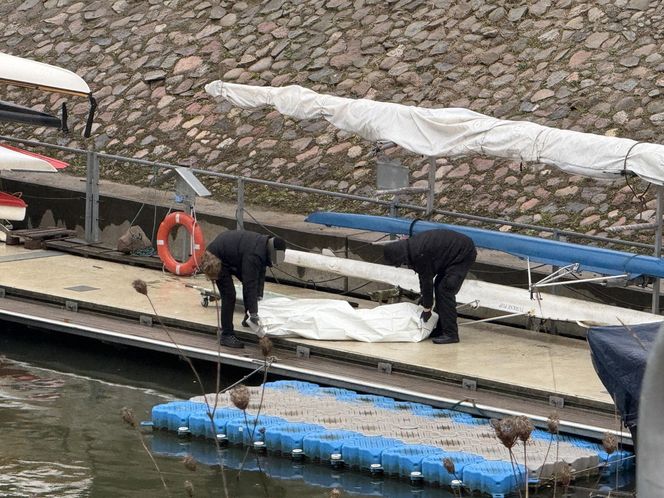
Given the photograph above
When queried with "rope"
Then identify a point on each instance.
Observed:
(291, 244)
(640, 197)
(148, 251)
(411, 226)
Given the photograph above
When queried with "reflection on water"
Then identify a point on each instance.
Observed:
(27, 396)
(43, 478)
(17, 383)
(63, 436)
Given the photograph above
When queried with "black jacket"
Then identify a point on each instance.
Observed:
(243, 254)
(431, 253)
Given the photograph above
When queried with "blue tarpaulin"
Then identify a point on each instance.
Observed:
(619, 356)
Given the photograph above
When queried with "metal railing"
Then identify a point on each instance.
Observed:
(92, 233)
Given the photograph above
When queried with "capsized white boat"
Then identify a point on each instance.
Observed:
(45, 77)
(25, 72)
(14, 159)
(12, 207)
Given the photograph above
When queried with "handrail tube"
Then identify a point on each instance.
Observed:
(42, 144)
(377, 202)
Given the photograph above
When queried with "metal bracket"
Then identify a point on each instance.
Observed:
(71, 306)
(557, 401)
(385, 367)
(145, 320)
(302, 352)
(555, 278)
(469, 384)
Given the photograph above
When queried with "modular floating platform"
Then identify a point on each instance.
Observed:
(381, 435)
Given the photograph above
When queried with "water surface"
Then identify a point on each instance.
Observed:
(63, 435)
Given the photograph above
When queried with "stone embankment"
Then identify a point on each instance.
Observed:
(588, 66)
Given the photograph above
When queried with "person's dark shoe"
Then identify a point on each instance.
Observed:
(435, 333)
(244, 323)
(446, 339)
(230, 341)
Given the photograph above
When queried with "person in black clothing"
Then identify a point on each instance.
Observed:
(441, 258)
(245, 255)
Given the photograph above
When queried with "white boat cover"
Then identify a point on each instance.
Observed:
(13, 158)
(25, 72)
(504, 299)
(455, 132)
(337, 320)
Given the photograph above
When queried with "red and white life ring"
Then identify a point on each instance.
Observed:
(198, 243)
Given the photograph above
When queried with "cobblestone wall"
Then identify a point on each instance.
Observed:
(588, 66)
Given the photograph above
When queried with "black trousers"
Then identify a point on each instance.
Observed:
(446, 286)
(228, 298)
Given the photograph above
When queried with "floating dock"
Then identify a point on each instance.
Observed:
(382, 435)
(495, 370)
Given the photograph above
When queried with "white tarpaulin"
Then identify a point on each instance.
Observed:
(457, 132)
(336, 320)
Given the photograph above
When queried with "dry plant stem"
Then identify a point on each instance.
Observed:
(216, 397)
(198, 378)
(633, 334)
(601, 465)
(177, 346)
(546, 457)
(154, 462)
(241, 381)
(258, 462)
(555, 474)
(239, 472)
(514, 470)
(525, 464)
(266, 365)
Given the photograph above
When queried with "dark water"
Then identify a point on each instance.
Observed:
(62, 434)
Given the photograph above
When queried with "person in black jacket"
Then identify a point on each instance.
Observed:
(245, 255)
(441, 258)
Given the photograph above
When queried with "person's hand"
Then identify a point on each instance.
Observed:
(425, 315)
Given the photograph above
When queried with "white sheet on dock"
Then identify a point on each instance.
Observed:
(337, 320)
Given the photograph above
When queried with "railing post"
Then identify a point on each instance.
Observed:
(556, 237)
(239, 210)
(92, 198)
(658, 251)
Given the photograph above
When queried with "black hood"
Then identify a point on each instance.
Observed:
(396, 253)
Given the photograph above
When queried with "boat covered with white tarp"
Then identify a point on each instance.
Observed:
(456, 132)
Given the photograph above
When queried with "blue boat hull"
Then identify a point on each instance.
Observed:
(552, 252)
